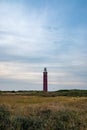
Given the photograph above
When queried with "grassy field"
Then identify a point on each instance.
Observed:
(42, 112)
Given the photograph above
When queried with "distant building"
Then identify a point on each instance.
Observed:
(45, 80)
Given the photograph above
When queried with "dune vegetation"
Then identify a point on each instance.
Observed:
(43, 111)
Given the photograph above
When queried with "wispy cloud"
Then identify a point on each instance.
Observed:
(34, 35)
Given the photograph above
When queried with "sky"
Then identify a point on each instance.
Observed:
(43, 33)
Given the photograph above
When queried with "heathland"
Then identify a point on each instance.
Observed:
(37, 110)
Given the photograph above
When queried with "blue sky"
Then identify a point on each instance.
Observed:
(43, 33)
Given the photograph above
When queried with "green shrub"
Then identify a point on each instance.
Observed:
(27, 123)
(68, 120)
(4, 118)
(43, 119)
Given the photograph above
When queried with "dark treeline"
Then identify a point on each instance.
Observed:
(73, 93)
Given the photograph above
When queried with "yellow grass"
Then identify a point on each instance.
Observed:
(27, 104)
(9, 99)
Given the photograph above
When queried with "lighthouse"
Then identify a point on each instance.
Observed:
(45, 81)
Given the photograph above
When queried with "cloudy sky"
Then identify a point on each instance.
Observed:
(43, 33)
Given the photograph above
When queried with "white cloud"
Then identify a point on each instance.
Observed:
(44, 41)
(32, 74)
(22, 31)
(19, 71)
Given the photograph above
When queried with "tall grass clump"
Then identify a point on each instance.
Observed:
(4, 118)
(68, 120)
(27, 123)
(43, 113)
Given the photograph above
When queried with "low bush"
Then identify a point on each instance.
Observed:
(4, 118)
(68, 120)
(27, 123)
(43, 119)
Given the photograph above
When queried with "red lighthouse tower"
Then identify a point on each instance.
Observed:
(45, 82)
